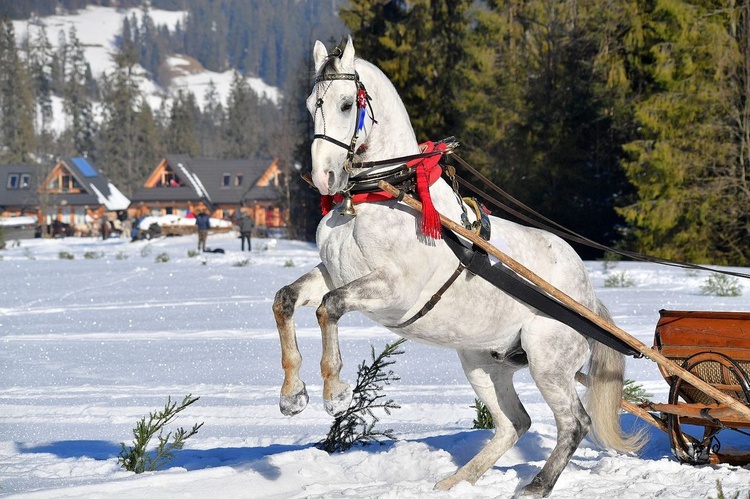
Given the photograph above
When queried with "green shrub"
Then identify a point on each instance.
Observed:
(721, 285)
(162, 258)
(137, 458)
(121, 255)
(618, 280)
(483, 421)
(193, 253)
(357, 423)
(634, 393)
(93, 255)
(720, 493)
(289, 263)
(64, 255)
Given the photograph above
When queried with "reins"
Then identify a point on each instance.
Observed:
(371, 173)
(565, 233)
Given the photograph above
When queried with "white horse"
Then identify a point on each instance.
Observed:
(380, 263)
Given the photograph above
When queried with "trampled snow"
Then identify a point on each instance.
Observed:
(88, 346)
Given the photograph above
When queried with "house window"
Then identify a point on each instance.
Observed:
(238, 180)
(64, 183)
(13, 179)
(226, 179)
(18, 181)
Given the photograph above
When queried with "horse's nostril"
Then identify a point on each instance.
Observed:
(331, 180)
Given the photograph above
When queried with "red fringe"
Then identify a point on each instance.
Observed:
(430, 217)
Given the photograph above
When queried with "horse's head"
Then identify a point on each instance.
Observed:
(338, 105)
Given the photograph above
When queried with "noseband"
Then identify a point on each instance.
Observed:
(363, 102)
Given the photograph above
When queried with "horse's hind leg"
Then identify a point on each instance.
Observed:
(492, 381)
(553, 367)
(308, 290)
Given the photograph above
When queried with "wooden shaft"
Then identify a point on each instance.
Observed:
(634, 343)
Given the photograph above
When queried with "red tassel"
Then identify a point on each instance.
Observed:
(430, 216)
(326, 204)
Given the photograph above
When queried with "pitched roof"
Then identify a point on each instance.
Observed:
(98, 188)
(202, 178)
(20, 197)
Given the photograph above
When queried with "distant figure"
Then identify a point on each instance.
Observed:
(105, 227)
(204, 223)
(246, 225)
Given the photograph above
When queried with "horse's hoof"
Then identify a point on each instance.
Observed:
(534, 490)
(339, 403)
(293, 404)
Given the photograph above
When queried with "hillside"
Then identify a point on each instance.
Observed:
(101, 46)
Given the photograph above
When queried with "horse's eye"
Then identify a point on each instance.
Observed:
(346, 106)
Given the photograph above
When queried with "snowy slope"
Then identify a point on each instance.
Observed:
(88, 346)
(97, 29)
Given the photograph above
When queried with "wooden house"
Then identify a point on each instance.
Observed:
(181, 185)
(72, 192)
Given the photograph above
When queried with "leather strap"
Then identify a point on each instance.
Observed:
(478, 263)
(435, 298)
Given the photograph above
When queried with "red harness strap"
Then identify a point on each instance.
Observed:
(427, 170)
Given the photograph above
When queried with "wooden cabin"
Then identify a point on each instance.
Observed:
(184, 186)
(72, 194)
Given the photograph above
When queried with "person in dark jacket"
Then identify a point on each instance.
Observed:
(246, 225)
(203, 222)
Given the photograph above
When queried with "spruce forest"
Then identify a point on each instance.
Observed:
(627, 121)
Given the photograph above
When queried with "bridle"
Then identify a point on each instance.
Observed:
(363, 102)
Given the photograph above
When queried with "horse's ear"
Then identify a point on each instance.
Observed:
(347, 58)
(320, 55)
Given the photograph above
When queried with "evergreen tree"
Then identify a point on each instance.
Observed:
(211, 123)
(80, 130)
(180, 135)
(688, 166)
(242, 130)
(39, 55)
(119, 129)
(17, 140)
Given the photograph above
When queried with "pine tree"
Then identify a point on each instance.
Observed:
(17, 140)
(80, 130)
(242, 129)
(180, 135)
(687, 164)
(211, 123)
(119, 130)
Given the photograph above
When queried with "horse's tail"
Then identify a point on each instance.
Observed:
(606, 373)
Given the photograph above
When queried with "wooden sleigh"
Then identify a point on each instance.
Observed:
(704, 356)
(715, 347)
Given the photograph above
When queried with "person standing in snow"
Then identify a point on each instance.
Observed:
(203, 222)
(246, 225)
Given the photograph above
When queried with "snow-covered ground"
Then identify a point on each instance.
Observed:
(88, 346)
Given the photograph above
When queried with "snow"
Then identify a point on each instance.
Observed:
(89, 346)
(97, 28)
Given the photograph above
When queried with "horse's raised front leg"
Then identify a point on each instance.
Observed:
(308, 290)
(375, 291)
